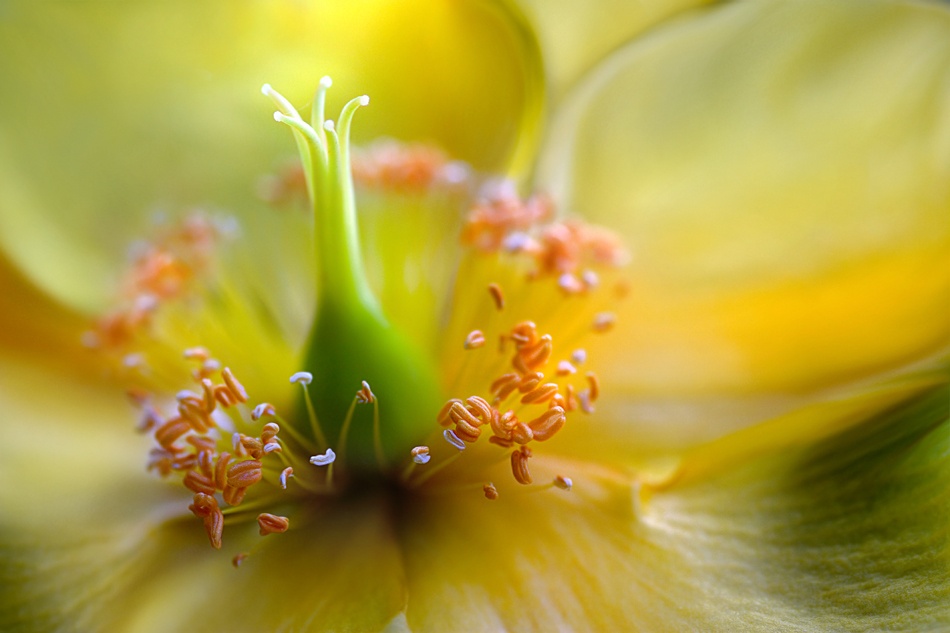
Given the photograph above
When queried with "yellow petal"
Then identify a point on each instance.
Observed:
(576, 35)
(780, 173)
(114, 112)
(848, 534)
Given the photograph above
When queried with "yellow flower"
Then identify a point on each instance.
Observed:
(766, 380)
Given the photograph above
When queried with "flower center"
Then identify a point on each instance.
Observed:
(366, 404)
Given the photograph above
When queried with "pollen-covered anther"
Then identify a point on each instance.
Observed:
(594, 385)
(224, 396)
(269, 432)
(453, 439)
(604, 321)
(502, 387)
(497, 296)
(198, 482)
(474, 340)
(547, 424)
(539, 394)
(233, 496)
(565, 368)
(564, 483)
(196, 353)
(365, 395)
(491, 493)
(206, 508)
(420, 454)
(444, 417)
(170, 431)
(528, 382)
(537, 354)
(521, 433)
(244, 474)
(285, 474)
(237, 389)
(221, 471)
(325, 459)
(525, 333)
(302, 378)
(252, 446)
(519, 465)
(261, 410)
(272, 524)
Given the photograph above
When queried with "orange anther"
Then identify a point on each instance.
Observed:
(480, 408)
(244, 474)
(604, 321)
(223, 395)
(594, 385)
(540, 394)
(272, 524)
(491, 493)
(443, 417)
(521, 433)
(529, 381)
(233, 496)
(209, 400)
(497, 296)
(365, 394)
(198, 482)
(519, 465)
(206, 507)
(237, 389)
(548, 423)
(221, 471)
(173, 429)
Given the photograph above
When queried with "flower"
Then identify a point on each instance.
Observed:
(828, 515)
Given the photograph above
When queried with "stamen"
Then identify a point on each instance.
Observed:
(579, 356)
(245, 474)
(286, 474)
(564, 483)
(594, 385)
(548, 423)
(237, 389)
(519, 465)
(497, 296)
(540, 394)
(491, 493)
(565, 368)
(475, 339)
(272, 524)
(264, 408)
(453, 439)
(196, 353)
(238, 559)
(302, 378)
(420, 455)
(324, 460)
(604, 321)
(365, 394)
(206, 507)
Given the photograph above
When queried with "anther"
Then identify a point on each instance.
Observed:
(548, 423)
(286, 474)
(420, 454)
(209, 399)
(233, 496)
(206, 507)
(579, 356)
(272, 524)
(173, 429)
(197, 482)
(221, 471)
(540, 394)
(269, 432)
(586, 405)
(564, 483)
(244, 474)
(521, 433)
(453, 439)
(519, 465)
(237, 389)
(365, 394)
(149, 419)
(491, 493)
(238, 559)
(497, 296)
(604, 321)
(302, 378)
(272, 447)
(529, 381)
(475, 339)
(324, 460)
(444, 418)
(196, 353)
(261, 410)
(223, 395)
(594, 385)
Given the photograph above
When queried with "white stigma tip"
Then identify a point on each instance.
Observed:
(266, 89)
(564, 483)
(324, 460)
(364, 100)
(325, 81)
(302, 377)
(453, 439)
(277, 116)
(329, 126)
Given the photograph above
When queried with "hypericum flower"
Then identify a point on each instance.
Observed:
(432, 418)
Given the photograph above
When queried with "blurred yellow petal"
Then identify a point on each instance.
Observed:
(781, 173)
(847, 535)
(574, 36)
(113, 112)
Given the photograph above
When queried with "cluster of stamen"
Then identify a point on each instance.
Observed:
(501, 222)
(161, 270)
(513, 392)
(189, 442)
